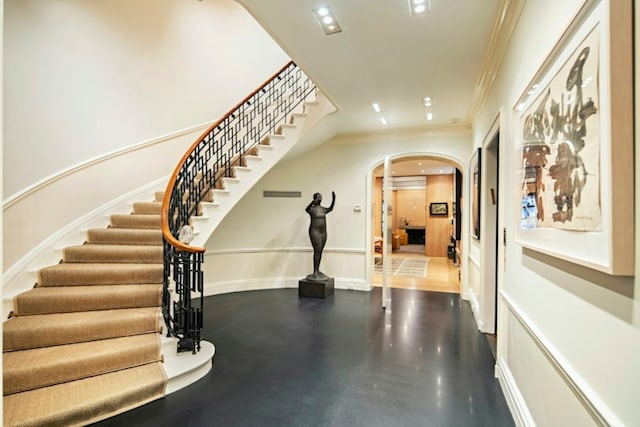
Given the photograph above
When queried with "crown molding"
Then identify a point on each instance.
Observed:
(503, 27)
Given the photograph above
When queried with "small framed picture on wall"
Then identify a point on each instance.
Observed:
(439, 208)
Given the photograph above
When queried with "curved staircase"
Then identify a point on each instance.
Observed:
(90, 329)
(86, 342)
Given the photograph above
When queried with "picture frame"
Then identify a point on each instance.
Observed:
(574, 145)
(475, 173)
(439, 208)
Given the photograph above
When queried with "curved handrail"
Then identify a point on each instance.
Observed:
(174, 176)
(209, 160)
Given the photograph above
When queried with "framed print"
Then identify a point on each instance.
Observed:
(574, 144)
(440, 208)
(475, 173)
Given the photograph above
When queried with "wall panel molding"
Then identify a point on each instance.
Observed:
(216, 288)
(45, 182)
(591, 402)
(519, 410)
(281, 250)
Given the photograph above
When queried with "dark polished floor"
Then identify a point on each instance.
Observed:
(343, 361)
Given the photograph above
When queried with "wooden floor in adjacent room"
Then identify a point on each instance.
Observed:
(442, 275)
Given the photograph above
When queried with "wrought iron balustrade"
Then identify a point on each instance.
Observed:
(212, 157)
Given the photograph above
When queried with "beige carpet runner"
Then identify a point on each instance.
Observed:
(84, 344)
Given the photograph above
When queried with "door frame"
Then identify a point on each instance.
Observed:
(492, 252)
(455, 162)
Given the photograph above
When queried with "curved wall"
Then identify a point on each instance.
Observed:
(101, 98)
(265, 240)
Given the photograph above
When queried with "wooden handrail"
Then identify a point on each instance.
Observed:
(178, 245)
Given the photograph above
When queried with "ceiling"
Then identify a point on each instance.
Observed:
(384, 55)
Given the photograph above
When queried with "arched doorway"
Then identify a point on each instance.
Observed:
(424, 222)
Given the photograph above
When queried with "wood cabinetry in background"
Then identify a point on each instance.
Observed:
(439, 227)
(411, 205)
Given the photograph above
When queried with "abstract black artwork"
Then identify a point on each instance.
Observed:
(561, 147)
(574, 144)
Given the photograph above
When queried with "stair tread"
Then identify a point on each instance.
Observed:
(135, 216)
(92, 252)
(135, 221)
(40, 367)
(43, 330)
(102, 266)
(147, 208)
(114, 230)
(63, 299)
(87, 400)
(125, 236)
(231, 179)
(89, 273)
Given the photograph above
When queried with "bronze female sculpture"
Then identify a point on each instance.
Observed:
(318, 232)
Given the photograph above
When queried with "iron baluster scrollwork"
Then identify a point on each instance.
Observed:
(211, 158)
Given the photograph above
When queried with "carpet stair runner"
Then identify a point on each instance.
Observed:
(85, 343)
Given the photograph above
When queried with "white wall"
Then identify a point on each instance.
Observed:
(568, 336)
(85, 78)
(266, 238)
(95, 89)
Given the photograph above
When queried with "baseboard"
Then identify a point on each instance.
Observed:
(517, 405)
(184, 369)
(470, 296)
(282, 250)
(217, 288)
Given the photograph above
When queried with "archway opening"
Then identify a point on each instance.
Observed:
(423, 216)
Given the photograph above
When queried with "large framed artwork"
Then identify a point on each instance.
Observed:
(574, 144)
(475, 173)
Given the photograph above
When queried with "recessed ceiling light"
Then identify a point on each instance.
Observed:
(419, 163)
(383, 121)
(441, 171)
(327, 21)
(429, 116)
(418, 7)
(422, 171)
(426, 101)
(376, 107)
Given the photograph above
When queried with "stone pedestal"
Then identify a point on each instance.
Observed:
(315, 289)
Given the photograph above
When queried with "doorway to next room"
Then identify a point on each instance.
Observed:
(424, 223)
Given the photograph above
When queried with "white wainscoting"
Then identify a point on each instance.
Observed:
(472, 293)
(271, 268)
(540, 386)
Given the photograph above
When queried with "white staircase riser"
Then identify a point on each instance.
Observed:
(246, 178)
